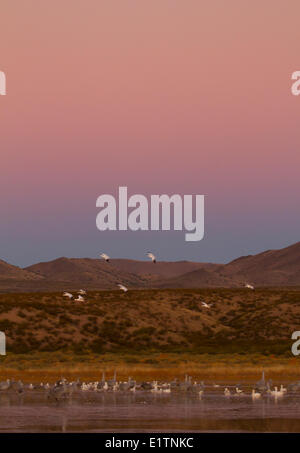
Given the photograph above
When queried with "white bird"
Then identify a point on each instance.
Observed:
(238, 391)
(123, 288)
(283, 389)
(151, 256)
(69, 295)
(204, 304)
(166, 388)
(79, 298)
(255, 395)
(276, 392)
(249, 286)
(82, 292)
(155, 387)
(105, 257)
(227, 392)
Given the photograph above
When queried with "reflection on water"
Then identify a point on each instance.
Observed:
(146, 412)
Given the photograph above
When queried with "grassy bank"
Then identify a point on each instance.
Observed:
(219, 367)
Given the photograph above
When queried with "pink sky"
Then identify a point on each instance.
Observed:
(161, 96)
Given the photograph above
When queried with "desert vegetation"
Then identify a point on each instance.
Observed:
(149, 330)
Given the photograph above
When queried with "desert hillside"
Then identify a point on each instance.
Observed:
(152, 320)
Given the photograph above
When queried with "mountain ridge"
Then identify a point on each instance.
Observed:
(277, 267)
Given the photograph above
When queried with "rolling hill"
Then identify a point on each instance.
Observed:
(92, 273)
(12, 277)
(8, 271)
(162, 269)
(270, 268)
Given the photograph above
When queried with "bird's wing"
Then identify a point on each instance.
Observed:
(150, 255)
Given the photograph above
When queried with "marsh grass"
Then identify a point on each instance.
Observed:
(220, 367)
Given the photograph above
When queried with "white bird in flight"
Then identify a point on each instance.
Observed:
(152, 257)
(79, 298)
(82, 292)
(123, 288)
(204, 304)
(105, 257)
(69, 295)
(249, 286)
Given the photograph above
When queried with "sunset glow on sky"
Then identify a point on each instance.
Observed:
(161, 96)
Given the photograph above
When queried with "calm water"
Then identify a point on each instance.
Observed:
(146, 412)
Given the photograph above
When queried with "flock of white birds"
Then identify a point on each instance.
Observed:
(63, 388)
(82, 292)
(105, 257)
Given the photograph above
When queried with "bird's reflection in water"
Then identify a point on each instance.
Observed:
(148, 412)
(64, 423)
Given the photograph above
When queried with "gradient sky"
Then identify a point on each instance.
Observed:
(162, 96)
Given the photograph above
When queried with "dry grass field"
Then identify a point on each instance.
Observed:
(48, 367)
